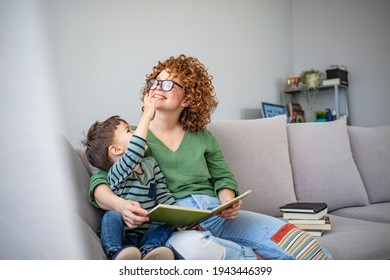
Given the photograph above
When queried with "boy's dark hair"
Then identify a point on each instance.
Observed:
(99, 137)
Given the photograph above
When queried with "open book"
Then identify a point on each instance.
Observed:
(185, 217)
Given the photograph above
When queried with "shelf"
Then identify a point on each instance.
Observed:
(336, 89)
(320, 88)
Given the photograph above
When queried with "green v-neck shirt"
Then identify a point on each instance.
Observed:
(196, 167)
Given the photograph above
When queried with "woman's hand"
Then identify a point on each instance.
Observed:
(225, 195)
(132, 213)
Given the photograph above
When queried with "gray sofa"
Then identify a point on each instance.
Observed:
(346, 167)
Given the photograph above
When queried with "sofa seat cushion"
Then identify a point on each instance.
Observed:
(371, 150)
(323, 166)
(257, 153)
(352, 239)
(378, 212)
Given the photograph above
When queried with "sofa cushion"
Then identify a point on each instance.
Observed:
(371, 151)
(323, 166)
(89, 167)
(352, 239)
(257, 153)
(378, 212)
(92, 245)
(80, 176)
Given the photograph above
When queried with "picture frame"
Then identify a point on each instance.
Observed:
(295, 113)
(271, 110)
(293, 83)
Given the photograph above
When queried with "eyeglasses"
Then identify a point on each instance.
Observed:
(166, 85)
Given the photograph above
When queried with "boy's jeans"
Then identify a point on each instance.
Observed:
(114, 237)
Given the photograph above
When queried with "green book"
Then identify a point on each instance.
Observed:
(186, 217)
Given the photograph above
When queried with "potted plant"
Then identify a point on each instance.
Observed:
(309, 82)
(321, 116)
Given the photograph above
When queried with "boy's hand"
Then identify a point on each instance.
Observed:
(150, 105)
(149, 110)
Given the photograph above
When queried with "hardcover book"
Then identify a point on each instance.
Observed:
(325, 226)
(321, 221)
(304, 207)
(336, 81)
(306, 216)
(186, 217)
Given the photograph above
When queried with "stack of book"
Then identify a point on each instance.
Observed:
(335, 81)
(309, 216)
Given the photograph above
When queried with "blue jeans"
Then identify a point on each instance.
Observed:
(244, 236)
(114, 237)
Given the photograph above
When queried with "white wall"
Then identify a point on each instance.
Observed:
(354, 33)
(36, 202)
(104, 49)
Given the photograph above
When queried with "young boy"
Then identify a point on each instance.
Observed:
(113, 146)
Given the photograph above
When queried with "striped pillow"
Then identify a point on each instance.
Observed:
(298, 243)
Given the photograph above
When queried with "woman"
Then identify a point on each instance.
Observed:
(198, 176)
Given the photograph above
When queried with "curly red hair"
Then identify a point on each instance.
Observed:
(197, 85)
